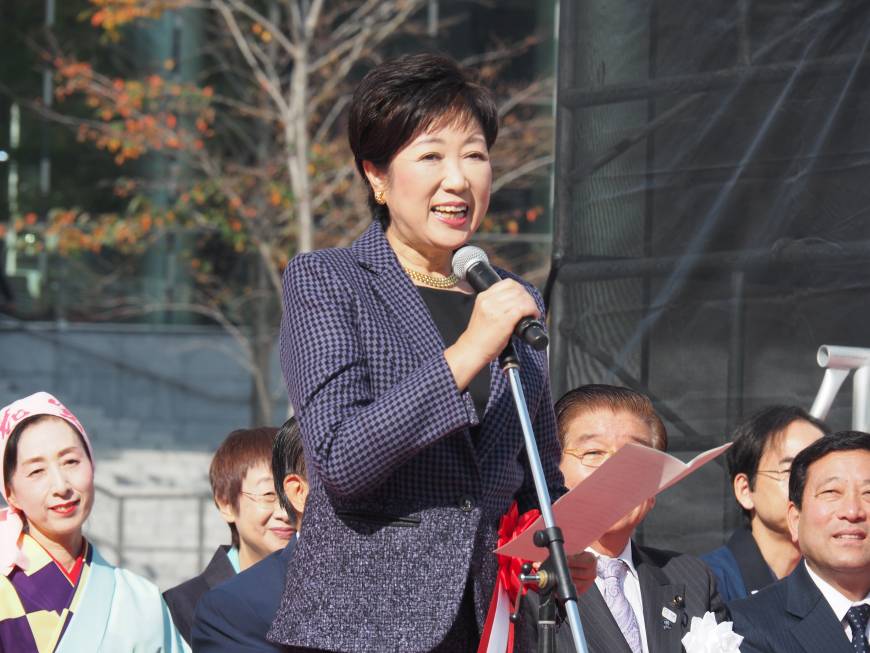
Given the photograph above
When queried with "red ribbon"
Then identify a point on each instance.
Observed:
(511, 525)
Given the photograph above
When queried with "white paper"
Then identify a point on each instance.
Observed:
(626, 479)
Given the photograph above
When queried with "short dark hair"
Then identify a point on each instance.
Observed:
(288, 457)
(754, 436)
(800, 467)
(10, 455)
(399, 99)
(240, 451)
(596, 396)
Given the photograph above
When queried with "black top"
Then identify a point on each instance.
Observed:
(451, 311)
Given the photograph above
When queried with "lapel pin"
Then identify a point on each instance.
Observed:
(670, 617)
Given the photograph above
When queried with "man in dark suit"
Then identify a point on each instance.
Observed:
(234, 616)
(643, 599)
(761, 551)
(824, 604)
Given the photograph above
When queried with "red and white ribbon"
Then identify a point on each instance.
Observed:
(498, 631)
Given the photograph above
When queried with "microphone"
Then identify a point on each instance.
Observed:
(472, 264)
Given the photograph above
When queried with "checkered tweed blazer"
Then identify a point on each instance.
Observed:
(403, 506)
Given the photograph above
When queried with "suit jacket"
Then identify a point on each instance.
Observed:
(676, 581)
(235, 615)
(404, 504)
(739, 567)
(182, 599)
(790, 616)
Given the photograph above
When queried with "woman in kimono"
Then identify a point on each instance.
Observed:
(57, 593)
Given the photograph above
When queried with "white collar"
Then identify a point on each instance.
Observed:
(839, 604)
(626, 556)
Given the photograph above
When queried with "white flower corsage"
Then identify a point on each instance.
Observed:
(706, 636)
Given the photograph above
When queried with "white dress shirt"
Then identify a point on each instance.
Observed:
(839, 604)
(631, 588)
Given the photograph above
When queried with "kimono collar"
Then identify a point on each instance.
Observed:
(11, 523)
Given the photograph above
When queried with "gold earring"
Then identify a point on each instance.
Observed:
(379, 197)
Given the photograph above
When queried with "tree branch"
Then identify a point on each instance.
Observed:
(270, 86)
(526, 168)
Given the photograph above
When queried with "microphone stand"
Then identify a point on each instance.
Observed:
(553, 575)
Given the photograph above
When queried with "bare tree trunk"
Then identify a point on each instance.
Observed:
(296, 130)
(261, 316)
(261, 349)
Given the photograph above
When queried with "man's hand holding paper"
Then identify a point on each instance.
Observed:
(587, 511)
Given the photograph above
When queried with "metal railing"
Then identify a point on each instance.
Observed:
(123, 546)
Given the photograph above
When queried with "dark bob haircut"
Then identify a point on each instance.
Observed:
(402, 98)
(800, 467)
(287, 458)
(755, 435)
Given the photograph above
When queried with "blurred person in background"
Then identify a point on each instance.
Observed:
(57, 593)
(244, 493)
(643, 599)
(823, 606)
(235, 616)
(759, 460)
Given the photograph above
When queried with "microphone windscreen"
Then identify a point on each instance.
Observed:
(465, 257)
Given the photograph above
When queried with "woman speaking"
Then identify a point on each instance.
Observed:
(409, 427)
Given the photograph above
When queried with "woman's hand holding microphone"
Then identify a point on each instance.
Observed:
(497, 310)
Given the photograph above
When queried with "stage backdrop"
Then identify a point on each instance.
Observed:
(712, 215)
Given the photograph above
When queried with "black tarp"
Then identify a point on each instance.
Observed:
(711, 215)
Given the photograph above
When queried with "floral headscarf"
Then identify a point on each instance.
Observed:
(11, 523)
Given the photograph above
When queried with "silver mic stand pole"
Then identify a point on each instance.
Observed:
(551, 536)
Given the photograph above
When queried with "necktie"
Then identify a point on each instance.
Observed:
(613, 571)
(857, 617)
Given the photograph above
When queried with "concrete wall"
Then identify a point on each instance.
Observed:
(166, 388)
(156, 402)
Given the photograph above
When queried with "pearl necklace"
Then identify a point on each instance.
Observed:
(434, 282)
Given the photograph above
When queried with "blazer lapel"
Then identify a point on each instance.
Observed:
(497, 388)
(599, 626)
(397, 294)
(818, 628)
(219, 568)
(402, 301)
(664, 611)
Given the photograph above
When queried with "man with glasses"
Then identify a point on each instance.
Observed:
(643, 599)
(761, 551)
(244, 493)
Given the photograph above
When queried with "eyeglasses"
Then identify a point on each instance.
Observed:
(592, 459)
(266, 499)
(778, 475)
